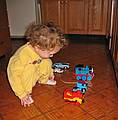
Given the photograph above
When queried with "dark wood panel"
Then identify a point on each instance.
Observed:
(98, 14)
(114, 39)
(2, 5)
(52, 10)
(3, 19)
(78, 16)
(5, 44)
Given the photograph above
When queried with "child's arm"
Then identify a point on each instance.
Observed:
(46, 71)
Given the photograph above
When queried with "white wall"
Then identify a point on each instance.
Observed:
(20, 14)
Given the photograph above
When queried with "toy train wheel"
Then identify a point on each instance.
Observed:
(83, 90)
(78, 77)
(65, 68)
(89, 78)
(84, 77)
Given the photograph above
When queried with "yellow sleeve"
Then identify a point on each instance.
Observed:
(14, 70)
(46, 70)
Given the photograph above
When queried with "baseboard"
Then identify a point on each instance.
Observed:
(17, 37)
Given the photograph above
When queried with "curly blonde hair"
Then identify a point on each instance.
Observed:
(47, 36)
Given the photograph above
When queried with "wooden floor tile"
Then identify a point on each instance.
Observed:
(49, 101)
(111, 116)
(69, 112)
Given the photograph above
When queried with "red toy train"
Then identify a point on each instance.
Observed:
(75, 97)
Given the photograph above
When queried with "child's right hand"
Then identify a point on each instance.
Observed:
(27, 100)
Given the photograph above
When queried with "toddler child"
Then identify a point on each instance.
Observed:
(31, 63)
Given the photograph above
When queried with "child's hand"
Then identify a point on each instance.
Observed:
(27, 100)
(24, 101)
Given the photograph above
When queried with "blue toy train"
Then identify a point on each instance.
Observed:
(84, 75)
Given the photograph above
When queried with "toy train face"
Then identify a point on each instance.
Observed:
(83, 73)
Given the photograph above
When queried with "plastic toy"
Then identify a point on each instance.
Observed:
(81, 86)
(58, 70)
(60, 67)
(83, 73)
(74, 97)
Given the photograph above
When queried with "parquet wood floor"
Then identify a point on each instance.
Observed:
(101, 100)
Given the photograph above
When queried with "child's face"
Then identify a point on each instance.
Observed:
(46, 53)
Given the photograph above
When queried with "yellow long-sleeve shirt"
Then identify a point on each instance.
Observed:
(25, 68)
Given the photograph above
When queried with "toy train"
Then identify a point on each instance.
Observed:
(84, 75)
(73, 97)
(80, 86)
